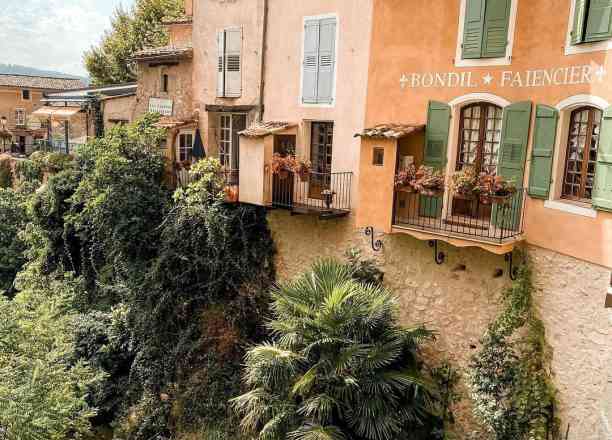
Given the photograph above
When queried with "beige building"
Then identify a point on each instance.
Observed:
(20, 96)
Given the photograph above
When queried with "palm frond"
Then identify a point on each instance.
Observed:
(317, 432)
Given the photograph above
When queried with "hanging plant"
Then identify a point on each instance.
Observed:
(405, 179)
(496, 189)
(464, 182)
(429, 182)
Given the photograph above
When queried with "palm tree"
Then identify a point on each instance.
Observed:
(339, 365)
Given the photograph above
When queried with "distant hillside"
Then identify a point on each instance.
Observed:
(15, 69)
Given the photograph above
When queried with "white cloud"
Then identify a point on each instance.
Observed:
(53, 34)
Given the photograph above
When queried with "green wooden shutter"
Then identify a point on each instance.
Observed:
(580, 14)
(495, 36)
(599, 21)
(436, 135)
(602, 188)
(544, 137)
(511, 161)
(514, 139)
(436, 144)
(473, 29)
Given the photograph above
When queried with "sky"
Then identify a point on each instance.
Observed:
(53, 34)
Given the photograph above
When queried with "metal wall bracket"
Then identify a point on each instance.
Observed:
(512, 270)
(439, 256)
(377, 245)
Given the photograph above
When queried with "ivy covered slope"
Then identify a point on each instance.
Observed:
(339, 366)
(132, 304)
(512, 389)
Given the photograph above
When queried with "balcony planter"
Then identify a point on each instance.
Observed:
(492, 189)
(302, 169)
(464, 183)
(429, 182)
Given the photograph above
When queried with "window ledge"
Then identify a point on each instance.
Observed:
(570, 208)
(484, 62)
(573, 49)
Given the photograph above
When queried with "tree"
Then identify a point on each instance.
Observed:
(131, 31)
(13, 219)
(339, 366)
(42, 393)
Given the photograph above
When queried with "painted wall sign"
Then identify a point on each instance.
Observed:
(556, 76)
(161, 106)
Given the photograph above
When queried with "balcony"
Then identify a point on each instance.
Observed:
(449, 215)
(327, 195)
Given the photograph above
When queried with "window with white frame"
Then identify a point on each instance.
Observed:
(20, 117)
(590, 26)
(319, 60)
(229, 63)
(25, 94)
(185, 146)
(486, 33)
(230, 124)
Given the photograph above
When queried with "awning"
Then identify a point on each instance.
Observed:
(170, 122)
(263, 129)
(56, 112)
(391, 131)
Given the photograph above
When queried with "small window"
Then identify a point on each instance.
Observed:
(592, 21)
(164, 83)
(378, 158)
(581, 156)
(185, 147)
(480, 137)
(25, 94)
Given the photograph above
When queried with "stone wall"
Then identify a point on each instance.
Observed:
(461, 297)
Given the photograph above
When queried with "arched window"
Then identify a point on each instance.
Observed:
(480, 137)
(581, 156)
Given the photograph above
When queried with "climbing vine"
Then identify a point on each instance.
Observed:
(510, 380)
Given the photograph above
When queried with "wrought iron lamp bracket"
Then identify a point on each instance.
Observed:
(512, 270)
(439, 256)
(377, 245)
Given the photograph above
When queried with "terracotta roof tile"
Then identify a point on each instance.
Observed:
(163, 52)
(262, 129)
(179, 20)
(172, 122)
(40, 82)
(390, 131)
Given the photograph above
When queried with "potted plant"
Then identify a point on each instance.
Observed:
(464, 182)
(405, 179)
(302, 168)
(283, 165)
(429, 182)
(328, 197)
(494, 189)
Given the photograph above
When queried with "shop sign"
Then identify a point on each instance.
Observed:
(556, 76)
(161, 106)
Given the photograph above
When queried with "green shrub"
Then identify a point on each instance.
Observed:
(29, 170)
(13, 219)
(6, 171)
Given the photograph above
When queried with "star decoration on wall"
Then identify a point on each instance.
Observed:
(488, 79)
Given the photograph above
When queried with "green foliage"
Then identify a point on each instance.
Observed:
(339, 367)
(512, 389)
(13, 219)
(6, 171)
(364, 270)
(201, 302)
(28, 171)
(131, 31)
(42, 393)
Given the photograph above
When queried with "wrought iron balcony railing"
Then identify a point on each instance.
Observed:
(496, 220)
(327, 195)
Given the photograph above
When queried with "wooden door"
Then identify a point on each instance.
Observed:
(283, 188)
(321, 146)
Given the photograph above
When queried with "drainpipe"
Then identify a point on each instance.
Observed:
(262, 80)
